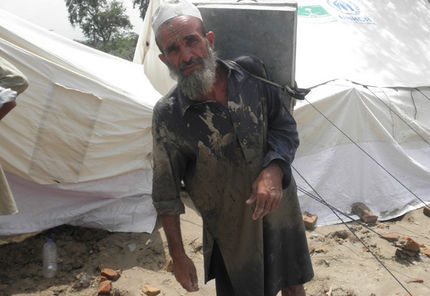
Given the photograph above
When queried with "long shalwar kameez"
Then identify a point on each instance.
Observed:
(218, 152)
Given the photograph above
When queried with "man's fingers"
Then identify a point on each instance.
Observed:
(186, 275)
(190, 283)
(266, 203)
(194, 280)
(259, 207)
(251, 199)
(276, 196)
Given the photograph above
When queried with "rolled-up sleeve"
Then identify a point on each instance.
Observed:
(168, 169)
(282, 136)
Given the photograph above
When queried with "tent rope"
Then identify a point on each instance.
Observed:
(398, 115)
(366, 153)
(356, 236)
(333, 208)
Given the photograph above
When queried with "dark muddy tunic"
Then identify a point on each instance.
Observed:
(218, 152)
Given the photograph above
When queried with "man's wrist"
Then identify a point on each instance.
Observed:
(278, 164)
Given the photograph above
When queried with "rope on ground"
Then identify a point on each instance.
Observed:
(316, 198)
(356, 236)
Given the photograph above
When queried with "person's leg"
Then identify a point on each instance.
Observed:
(222, 280)
(298, 290)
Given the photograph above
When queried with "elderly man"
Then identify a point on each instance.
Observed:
(230, 139)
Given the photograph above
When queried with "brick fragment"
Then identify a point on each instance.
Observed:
(417, 280)
(426, 211)
(401, 253)
(391, 237)
(310, 220)
(150, 291)
(110, 274)
(409, 244)
(365, 214)
(104, 288)
(103, 278)
(425, 251)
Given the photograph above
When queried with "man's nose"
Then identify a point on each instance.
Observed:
(186, 54)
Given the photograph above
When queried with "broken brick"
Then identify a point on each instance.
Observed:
(391, 237)
(409, 244)
(110, 274)
(365, 214)
(104, 287)
(425, 251)
(402, 252)
(150, 291)
(310, 220)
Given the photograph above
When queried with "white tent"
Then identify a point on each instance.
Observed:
(77, 149)
(374, 145)
(364, 61)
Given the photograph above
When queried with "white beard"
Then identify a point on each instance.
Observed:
(199, 82)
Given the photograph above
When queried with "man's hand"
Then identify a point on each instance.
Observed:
(183, 266)
(185, 273)
(266, 191)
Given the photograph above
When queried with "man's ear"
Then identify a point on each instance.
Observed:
(163, 58)
(210, 36)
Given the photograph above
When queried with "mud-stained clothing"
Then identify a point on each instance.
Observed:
(218, 152)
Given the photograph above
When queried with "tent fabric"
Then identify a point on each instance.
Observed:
(374, 148)
(147, 52)
(84, 122)
(379, 43)
(368, 66)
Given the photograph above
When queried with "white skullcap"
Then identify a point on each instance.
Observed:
(173, 8)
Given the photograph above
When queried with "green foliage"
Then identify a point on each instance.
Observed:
(122, 47)
(101, 21)
(142, 5)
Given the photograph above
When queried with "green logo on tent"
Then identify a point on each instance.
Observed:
(312, 11)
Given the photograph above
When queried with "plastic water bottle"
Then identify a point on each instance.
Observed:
(49, 259)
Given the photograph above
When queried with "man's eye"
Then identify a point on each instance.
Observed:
(171, 49)
(191, 40)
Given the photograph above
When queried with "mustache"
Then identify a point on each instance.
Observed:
(183, 65)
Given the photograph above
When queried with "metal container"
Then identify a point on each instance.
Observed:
(266, 29)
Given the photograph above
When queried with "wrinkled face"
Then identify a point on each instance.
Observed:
(183, 44)
(188, 54)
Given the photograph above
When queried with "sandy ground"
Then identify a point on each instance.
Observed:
(341, 265)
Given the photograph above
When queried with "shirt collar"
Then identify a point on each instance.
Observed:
(232, 72)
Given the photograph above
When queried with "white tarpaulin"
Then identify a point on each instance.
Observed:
(381, 43)
(77, 149)
(376, 43)
(388, 168)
